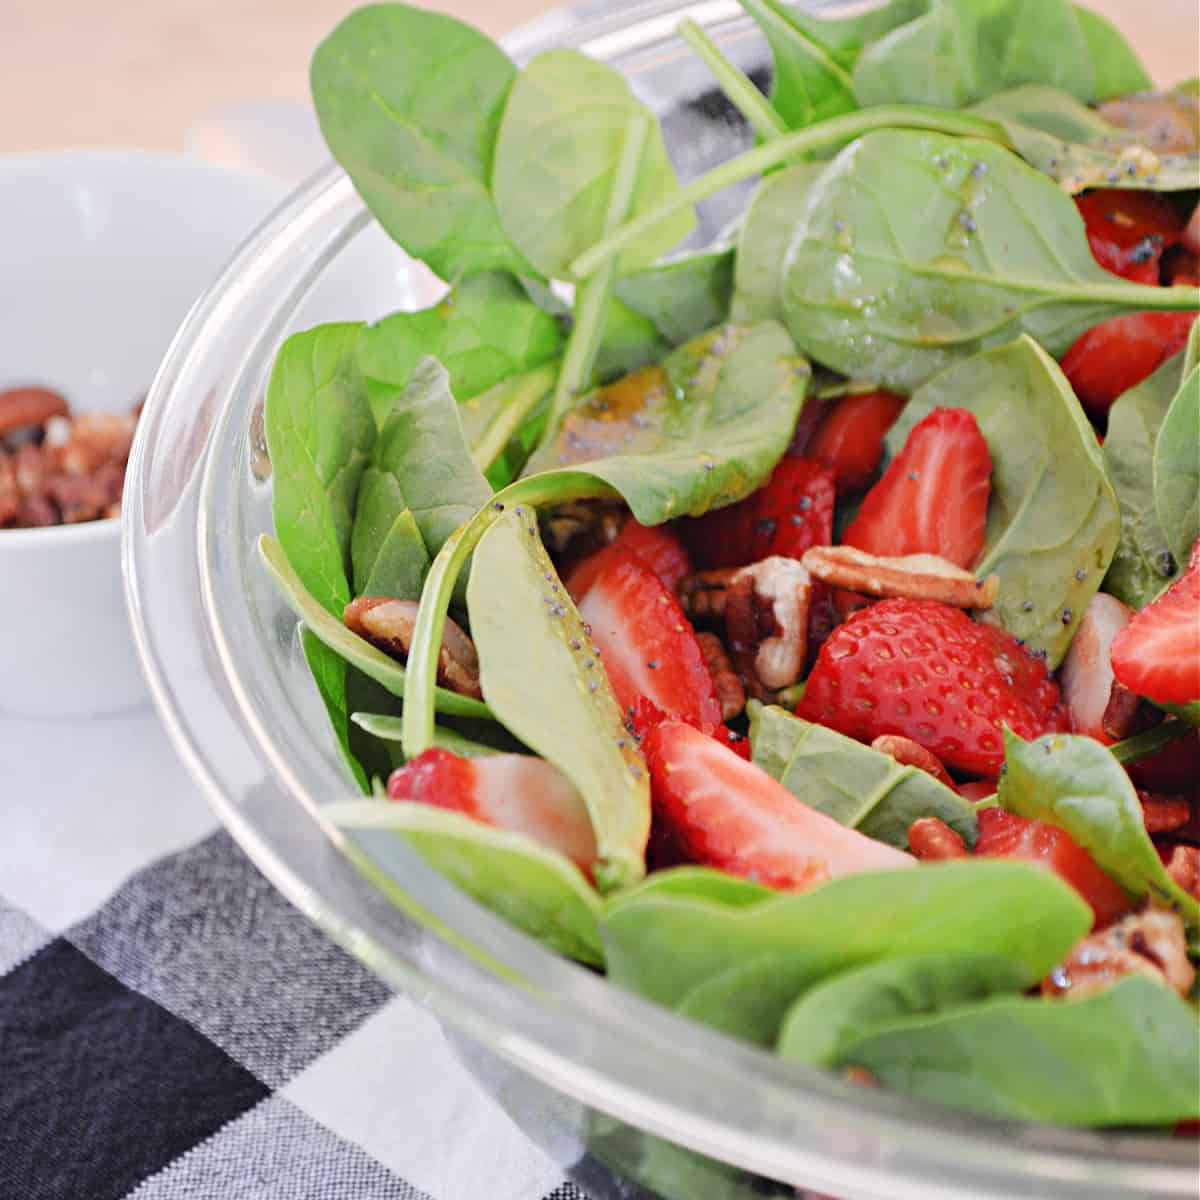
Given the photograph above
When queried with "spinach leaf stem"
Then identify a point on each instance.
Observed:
(525, 394)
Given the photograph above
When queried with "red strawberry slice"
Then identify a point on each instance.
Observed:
(1086, 674)
(644, 716)
(658, 546)
(646, 644)
(1157, 654)
(926, 671)
(1119, 353)
(933, 497)
(724, 812)
(516, 792)
(792, 511)
(1005, 835)
(849, 441)
(1129, 230)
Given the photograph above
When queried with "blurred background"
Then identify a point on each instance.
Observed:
(126, 73)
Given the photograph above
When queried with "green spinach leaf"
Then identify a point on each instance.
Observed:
(1077, 784)
(348, 647)
(535, 888)
(557, 157)
(807, 84)
(1143, 564)
(845, 37)
(1072, 143)
(681, 297)
(667, 947)
(1118, 70)
(1053, 518)
(388, 728)
(522, 619)
(703, 430)
(852, 783)
(834, 1015)
(329, 672)
(771, 219)
(1177, 469)
(918, 249)
(484, 331)
(1040, 1059)
(410, 103)
(630, 340)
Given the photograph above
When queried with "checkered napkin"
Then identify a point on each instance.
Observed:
(172, 1029)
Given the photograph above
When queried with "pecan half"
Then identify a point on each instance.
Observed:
(730, 691)
(1164, 814)
(912, 754)
(25, 407)
(702, 595)
(1126, 713)
(583, 525)
(766, 618)
(388, 624)
(931, 839)
(1184, 867)
(911, 576)
(1147, 943)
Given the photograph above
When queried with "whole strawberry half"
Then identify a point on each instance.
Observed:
(792, 511)
(927, 671)
(933, 497)
(849, 441)
(647, 645)
(717, 809)
(516, 792)
(1128, 231)
(1157, 654)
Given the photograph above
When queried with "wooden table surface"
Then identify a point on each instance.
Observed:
(131, 73)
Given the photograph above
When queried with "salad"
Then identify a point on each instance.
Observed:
(802, 629)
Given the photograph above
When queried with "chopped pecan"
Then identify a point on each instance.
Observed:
(911, 576)
(729, 687)
(388, 624)
(97, 439)
(1184, 867)
(1147, 943)
(930, 839)
(702, 595)
(766, 618)
(25, 407)
(1126, 713)
(583, 525)
(912, 754)
(1164, 814)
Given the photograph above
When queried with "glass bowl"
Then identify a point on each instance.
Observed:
(614, 1087)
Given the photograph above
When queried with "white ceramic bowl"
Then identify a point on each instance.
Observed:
(101, 255)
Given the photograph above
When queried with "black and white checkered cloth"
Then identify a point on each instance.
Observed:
(172, 1029)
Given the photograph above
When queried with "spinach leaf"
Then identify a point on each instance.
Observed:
(386, 546)
(807, 84)
(329, 672)
(630, 340)
(1072, 143)
(535, 888)
(1040, 1059)
(422, 444)
(852, 783)
(667, 946)
(703, 430)
(1077, 784)
(521, 619)
(484, 331)
(917, 249)
(681, 297)
(410, 103)
(701, 883)
(961, 51)
(1053, 519)
(1143, 564)
(770, 221)
(557, 156)
(388, 728)
(348, 647)
(1177, 469)
(834, 1015)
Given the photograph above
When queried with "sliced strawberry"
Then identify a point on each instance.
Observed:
(1119, 353)
(849, 441)
(516, 792)
(658, 546)
(727, 813)
(1086, 674)
(933, 497)
(978, 789)
(792, 511)
(1129, 230)
(644, 716)
(1005, 835)
(1180, 267)
(646, 644)
(926, 671)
